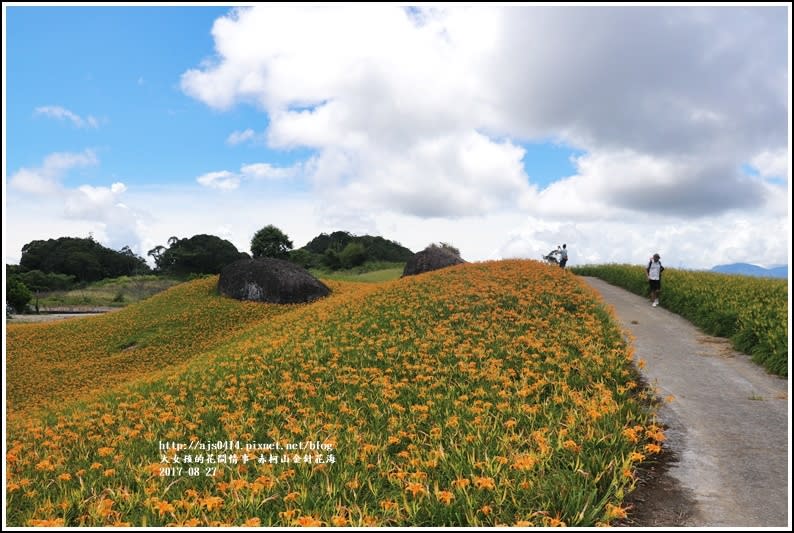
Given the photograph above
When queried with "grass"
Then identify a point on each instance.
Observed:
(484, 394)
(115, 292)
(376, 276)
(369, 272)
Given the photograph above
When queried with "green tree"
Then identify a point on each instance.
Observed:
(331, 259)
(352, 255)
(200, 254)
(305, 258)
(17, 295)
(156, 253)
(85, 259)
(271, 242)
(39, 282)
(376, 248)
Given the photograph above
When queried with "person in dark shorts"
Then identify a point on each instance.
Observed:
(654, 271)
(563, 256)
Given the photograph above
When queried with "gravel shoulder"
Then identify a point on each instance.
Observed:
(728, 450)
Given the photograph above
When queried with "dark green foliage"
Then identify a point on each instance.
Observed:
(352, 255)
(331, 259)
(85, 259)
(199, 254)
(305, 258)
(270, 242)
(17, 295)
(39, 281)
(336, 240)
(328, 250)
(12, 270)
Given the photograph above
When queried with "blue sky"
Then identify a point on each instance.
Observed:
(487, 127)
(97, 62)
(122, 66)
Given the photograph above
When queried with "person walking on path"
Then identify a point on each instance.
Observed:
(654, 271)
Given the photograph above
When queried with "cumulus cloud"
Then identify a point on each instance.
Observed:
(238, 137)
(616, 183)
(384, 139)
(227, 181)
(45, 179)
(423, 111)
(87, 201)
(266, 171)
(61, 113)
(100, 208)
(223, 180)
(455, 175)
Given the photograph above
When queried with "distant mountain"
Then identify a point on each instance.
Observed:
(746, 269)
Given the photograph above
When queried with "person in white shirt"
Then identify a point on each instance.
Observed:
(563, 256)
(654, 271)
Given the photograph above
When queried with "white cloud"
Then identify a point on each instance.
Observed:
(773, 163)
(237, 137)
(625, 184)
(716, 240)
(184, 212)
(100, 209)
(46, 178)
(422, 111)
(266, 171)
(156, 213)
(61, 113)
(223, 180)
(457, 175)
(91, 202)
(227, 181)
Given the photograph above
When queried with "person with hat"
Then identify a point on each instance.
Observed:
(654, 271)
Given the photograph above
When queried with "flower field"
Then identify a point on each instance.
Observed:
(752, 312)
(81, 357)
(484, 394)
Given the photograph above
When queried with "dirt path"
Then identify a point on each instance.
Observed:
(727, 424)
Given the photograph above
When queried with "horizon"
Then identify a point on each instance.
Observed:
(488, 127)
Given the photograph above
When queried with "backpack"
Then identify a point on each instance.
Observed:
(661, 268)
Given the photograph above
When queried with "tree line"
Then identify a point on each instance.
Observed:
(70, 262)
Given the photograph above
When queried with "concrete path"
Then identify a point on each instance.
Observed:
(727, 423)
(52, 317)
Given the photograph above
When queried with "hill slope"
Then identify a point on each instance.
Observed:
(67, 359)
(482, 394)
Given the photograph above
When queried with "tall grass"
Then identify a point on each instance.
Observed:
(751, 312)
(114, 292)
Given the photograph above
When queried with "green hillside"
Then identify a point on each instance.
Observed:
(483, 394)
